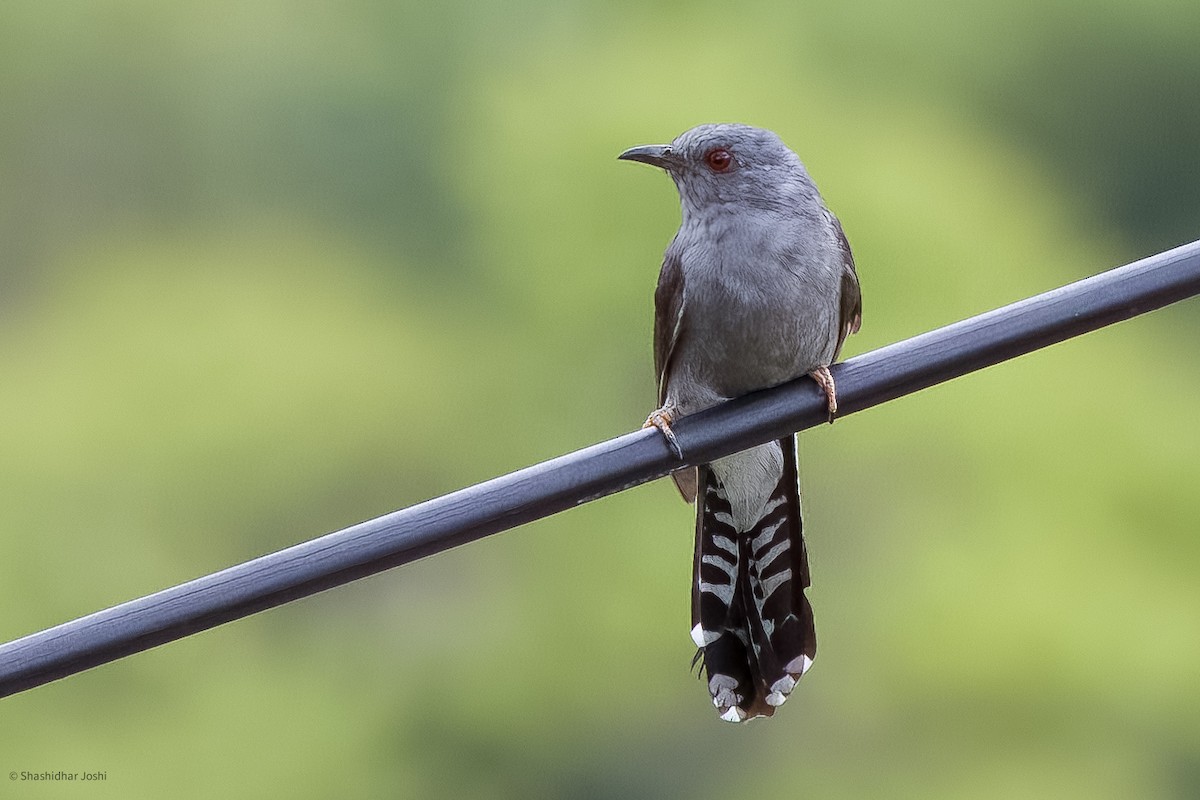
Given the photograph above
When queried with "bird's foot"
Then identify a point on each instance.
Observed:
(825, 380)
(662, 419)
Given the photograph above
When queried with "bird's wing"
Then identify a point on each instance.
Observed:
(668, 318)
(668, 327)
(850, 308)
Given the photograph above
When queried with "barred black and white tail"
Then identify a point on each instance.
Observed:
(750, 618)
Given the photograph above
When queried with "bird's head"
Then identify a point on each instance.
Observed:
(727, 164)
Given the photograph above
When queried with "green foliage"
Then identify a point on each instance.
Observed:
(272, 269)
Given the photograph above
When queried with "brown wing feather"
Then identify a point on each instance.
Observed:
(668, 308)
(668, 305)
(850, 310)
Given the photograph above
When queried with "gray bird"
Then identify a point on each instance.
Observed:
(757, 288)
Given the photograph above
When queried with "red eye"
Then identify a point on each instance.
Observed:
(718, 160)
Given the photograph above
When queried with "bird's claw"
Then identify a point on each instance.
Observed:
(662, 419)
(825, 380)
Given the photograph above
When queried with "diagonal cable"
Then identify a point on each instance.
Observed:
(597, 471)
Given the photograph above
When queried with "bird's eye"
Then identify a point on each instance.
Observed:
(718, 159)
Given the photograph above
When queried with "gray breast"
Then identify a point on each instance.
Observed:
(757, 311)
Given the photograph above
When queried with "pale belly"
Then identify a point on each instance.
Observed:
(736, 344)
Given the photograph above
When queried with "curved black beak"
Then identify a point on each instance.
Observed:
(656, 155)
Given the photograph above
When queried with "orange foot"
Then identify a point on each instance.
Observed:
(662, 419)
(825, 381)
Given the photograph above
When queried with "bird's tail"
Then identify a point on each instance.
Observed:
(750, 618)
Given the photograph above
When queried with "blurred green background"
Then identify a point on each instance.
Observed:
(273, 268)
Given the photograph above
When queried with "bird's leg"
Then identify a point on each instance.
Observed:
(825, 380)
(662, 418)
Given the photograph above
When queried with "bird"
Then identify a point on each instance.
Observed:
(758, 287)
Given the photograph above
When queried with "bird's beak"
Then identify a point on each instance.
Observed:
(656, 155)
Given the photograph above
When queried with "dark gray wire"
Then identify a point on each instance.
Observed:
(597, 471)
